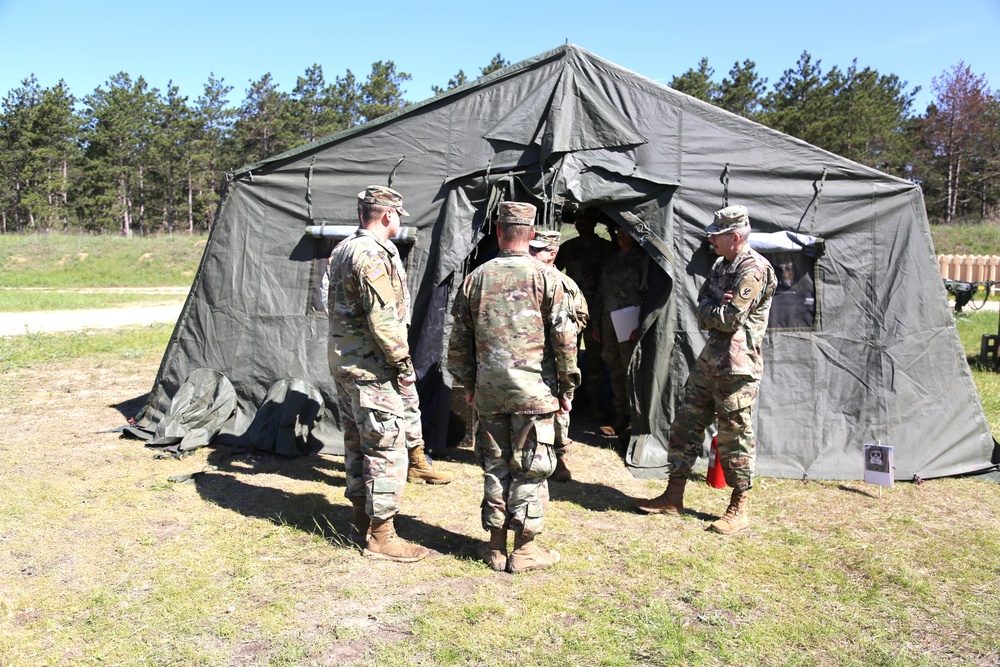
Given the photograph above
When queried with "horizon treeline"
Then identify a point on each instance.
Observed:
(128, 158)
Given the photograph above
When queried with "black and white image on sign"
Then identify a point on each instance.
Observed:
(878, 465)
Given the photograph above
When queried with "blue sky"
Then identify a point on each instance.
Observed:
(85, 43)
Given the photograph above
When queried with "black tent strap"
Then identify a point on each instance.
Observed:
(393, 172)
(724, 179)
(309, 198)
(819, 191)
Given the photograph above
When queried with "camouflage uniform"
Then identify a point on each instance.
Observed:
(621, 287)
(724, 382)
(581, 259)
(513, 346)
(367, 352)
(412, 426)
(581, 316)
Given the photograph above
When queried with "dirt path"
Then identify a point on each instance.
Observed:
(13, 324)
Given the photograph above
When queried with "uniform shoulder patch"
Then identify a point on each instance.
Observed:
(746, 291)
(375, 273)
(378, 279)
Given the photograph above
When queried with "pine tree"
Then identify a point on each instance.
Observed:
(870, 112)
(801, 103)
(262, 125)
(119, 121)
(696, 82)
(345, 96)
(498, 62)
(57, 150)
(382, 92)
(211, 154)
(453, 82)
(742, 91)
(315, 111)
(16, 153)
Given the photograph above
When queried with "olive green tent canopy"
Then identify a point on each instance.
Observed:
(862, 346)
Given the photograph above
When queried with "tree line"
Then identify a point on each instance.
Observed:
(952, 150)
(129, 158)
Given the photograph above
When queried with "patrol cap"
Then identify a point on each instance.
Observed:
(383, 196)
(729, 219)
(545, 238)
(516, 213)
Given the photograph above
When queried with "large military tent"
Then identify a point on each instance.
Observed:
(862, 347)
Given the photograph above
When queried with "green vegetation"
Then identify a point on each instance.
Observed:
(120, 345)
(966, 239)
(23, 301)
(70, 260)
(972, 325)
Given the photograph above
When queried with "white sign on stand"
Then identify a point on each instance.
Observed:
(879, 468)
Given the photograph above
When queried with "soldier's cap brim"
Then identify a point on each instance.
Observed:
(712, 229)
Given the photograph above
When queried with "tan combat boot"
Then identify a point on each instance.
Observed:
(562, 473)
(384, 543)
(494, 552)
(529, 556)
(737, 516)
(360, 523)
(420, 469)
(671, 501)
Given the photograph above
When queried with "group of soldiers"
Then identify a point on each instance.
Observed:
(518, 323)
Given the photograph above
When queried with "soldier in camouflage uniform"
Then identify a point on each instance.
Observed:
(513, 347)
(581, 259)
(621, 286)
(370, 362)
(733, 305)
(419, 469)
(545, 248)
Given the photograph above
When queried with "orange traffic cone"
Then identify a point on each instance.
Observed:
(715, 477)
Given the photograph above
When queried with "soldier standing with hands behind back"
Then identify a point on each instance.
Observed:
(513, 348)
(370, 362)
(733, 305)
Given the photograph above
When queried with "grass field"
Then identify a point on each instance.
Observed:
(66, 272)
(61, 260)
(966, 239)
(14, 300)
(241, 561)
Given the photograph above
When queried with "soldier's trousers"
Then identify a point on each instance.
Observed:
(517, 456)
(374, 444)
(561, 424)
(592, 367)
(412, 427)
(617, 356)
(730, 400)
